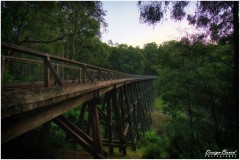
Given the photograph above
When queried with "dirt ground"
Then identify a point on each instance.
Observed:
(158, 119)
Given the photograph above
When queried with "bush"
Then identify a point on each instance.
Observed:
(157, 146)
(151, 136)
(152, 151)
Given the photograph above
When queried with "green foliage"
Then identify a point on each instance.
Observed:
(59, 28)
(155, 146)
(158, 103)
(57, 137)
(181, 145)
(150, 52)
(196, 86)
(152, 151)
(150, 136)
(127, 59)
(73, 114)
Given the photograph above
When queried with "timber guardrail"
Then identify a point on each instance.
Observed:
(52, 67)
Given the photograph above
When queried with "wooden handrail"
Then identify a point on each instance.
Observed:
(24, 50)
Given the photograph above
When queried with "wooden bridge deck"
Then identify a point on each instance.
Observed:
(126, 102)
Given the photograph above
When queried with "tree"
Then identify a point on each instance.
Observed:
(221, 22)
(215, 17)
(39, 23)
(150, 51)
(195, 85)
(127, 59)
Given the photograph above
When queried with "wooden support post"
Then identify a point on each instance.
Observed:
(43, 137)
(57, 79)
(129, 104)
(134, 127)
(83, 75)
(109, 117)
(121, 104)
(81, 116)
(79, 71)
(88, 74)
(84, 140)
(95, 126)
(140, 108)
(118, 120)
(137, 109)
(89, 125)
(47, 68)
(101, 75)
(46, 72)
(56, 69)
(109, 75)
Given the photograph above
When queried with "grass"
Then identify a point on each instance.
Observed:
(130, 154)
(158, 118)
(66, 153)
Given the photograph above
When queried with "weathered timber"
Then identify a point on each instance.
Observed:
(48, 64)
(125, 109)
(17, 125)
(46, 73)
(118, 120)
(85, 141)
(29, 99)
(113, 126)
(93, 113)
(43, 137)
(109, 120)
(81, 116)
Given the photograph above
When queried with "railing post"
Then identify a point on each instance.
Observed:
(2, 70)
(56, 70)
(46, 72)
(109, 75)
(79, 81)
(83, 75)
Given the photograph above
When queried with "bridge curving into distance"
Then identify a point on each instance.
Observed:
(115, 106)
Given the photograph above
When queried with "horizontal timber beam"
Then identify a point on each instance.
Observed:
(33, 98)
(14, 126)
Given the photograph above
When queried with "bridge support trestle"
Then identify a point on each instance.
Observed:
(114, 120)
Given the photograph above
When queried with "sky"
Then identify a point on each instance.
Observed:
(124, 26)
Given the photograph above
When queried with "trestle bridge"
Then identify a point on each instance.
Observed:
(115, 106)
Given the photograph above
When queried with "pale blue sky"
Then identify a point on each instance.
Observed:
(124, 27)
